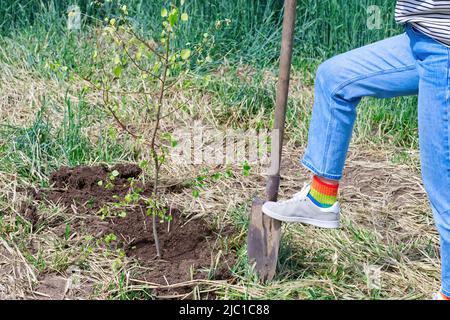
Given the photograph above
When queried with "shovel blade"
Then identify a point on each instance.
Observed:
(263, 241)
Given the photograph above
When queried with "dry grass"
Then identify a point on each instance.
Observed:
(386, 221)
(383, 225)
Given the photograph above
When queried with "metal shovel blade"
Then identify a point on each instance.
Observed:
(263, 242)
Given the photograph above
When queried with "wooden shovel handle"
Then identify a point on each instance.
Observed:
(281, 99)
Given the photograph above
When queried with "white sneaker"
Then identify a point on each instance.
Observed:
(438, 296)
(301, 209)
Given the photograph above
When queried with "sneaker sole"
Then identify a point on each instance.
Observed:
(334, 224)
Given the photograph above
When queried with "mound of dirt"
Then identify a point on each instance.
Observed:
(184, 244)
(86, 188)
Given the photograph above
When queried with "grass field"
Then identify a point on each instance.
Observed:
(48, 121)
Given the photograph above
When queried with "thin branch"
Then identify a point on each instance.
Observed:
(161, 93)
(134, 61)
(95, 87)
(172, 111)
(119, 122)
(152, 145)
(149, 47)
(139, 66)
(173, 83)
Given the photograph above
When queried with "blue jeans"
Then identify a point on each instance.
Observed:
(406, 64)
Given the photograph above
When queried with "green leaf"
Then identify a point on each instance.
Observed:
(229, 173)
(122, 214)
(156, 67)
(110, 238)
(173, 17)
(118, 71)
(184, 17)
(143, 164)
(216, 176)
(185, 54)
(115, 173)
(138, 56)
(116, 265)
(164, 12)
(67, 231)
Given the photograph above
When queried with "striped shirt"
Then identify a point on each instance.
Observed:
(431, 17)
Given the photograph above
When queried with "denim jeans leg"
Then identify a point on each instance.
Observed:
(384, 69)
(433, 65)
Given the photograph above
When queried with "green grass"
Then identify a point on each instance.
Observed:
(40, 148)
(324, 27)
(36, 31)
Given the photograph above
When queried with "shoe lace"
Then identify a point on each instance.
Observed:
(296, 196)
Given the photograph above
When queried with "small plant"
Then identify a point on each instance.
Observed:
(205, 179)
(104, 212)
(246, 169)
(130, 63)
(91, 202)
(119, 208)
(109, 183)
(109, 238)
(67, 231)
(158, 209)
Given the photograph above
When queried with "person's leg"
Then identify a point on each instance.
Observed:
(383, 69)
(433, 64)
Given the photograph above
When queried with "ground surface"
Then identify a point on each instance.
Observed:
(386, 229)
(185, 244)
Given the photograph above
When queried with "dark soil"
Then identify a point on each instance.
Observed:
(184, 244)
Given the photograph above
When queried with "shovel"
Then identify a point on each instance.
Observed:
(264, 233)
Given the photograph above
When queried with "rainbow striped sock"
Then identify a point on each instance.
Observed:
(322, 194)
(444, 297)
